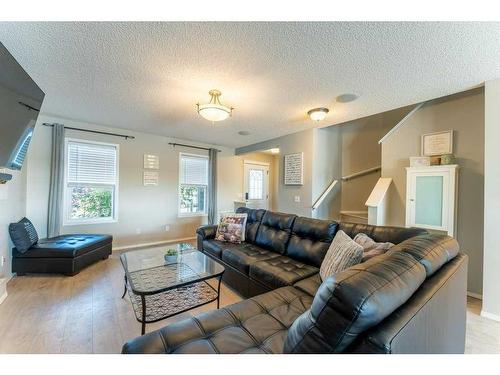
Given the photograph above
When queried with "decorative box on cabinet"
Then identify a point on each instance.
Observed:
(431, 197)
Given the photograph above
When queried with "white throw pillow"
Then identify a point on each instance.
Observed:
(342, 254)
(370, 247)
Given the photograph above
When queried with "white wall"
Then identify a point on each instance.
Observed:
(327, 167)
(491, 275)
(12, 209)
(144, 208)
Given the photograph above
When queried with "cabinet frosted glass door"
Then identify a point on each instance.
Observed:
(429, 200)
(431, 197)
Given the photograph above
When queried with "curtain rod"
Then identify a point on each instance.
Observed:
(94, 131)
(183, 145)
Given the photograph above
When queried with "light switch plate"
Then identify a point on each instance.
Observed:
(297, 199)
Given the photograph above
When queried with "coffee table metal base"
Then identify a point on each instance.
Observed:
(155, 307)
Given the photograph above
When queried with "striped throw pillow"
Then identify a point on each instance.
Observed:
(343, 253)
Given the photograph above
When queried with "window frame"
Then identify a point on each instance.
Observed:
(67, 221)
(191, 214)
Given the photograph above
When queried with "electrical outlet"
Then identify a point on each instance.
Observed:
(2, 261)
(167, 228)
(297, 199)
(138, 231)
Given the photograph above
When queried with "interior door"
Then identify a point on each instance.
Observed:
(256, 185)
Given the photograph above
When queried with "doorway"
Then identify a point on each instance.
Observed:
(256, 184)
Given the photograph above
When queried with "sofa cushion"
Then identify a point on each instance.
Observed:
(254, 218)
(213, 247)
(381, 233)
(310, 240)
(65, 246)
(353, 301)
(274, 231)
(309, 285)
(256, 325)
(241, 256)
(431, 250)
(23, 234)
(280, 271)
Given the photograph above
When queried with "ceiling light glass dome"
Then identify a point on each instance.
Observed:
(214, 111)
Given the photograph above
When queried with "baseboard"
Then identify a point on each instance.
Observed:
(3, 289)
(150, 244)
(490, 316)
(475, 295)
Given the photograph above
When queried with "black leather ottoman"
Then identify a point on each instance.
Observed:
(66, 254)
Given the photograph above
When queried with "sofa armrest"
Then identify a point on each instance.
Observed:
(207, 232)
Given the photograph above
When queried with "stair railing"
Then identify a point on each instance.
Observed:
(361, 173)
(323, 195)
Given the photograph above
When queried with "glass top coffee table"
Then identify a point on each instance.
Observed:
(160, 287)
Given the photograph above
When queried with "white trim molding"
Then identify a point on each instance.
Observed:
(151, 244)
(475, 295)
(491, 316)
(401, 122)
(3, 289)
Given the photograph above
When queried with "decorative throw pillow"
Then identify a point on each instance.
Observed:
(370, 247)
(23, 234)
(342, 253)
(231, 228)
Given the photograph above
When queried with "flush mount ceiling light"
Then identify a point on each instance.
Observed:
(214, 110)
(318, 114)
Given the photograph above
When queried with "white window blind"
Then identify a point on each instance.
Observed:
(194, 170)
(91, 163)
(23, 150)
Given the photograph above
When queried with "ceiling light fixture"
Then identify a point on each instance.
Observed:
(318, 114)
(214, 110)
(274, 150)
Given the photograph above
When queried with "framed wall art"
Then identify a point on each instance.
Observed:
(440, 143)
(294, 169)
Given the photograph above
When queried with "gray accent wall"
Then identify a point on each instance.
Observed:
(463, 113)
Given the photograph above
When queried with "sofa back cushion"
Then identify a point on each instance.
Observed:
(310, 240)
(381, 233)
(362, 296)
(433, 251)
(254, 218)
(274, 231)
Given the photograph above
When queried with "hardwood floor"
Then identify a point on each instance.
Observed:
(79, 314)
(85, 314)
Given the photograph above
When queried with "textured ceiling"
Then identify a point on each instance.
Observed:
(148, 76)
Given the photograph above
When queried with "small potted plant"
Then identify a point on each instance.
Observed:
(171, 256)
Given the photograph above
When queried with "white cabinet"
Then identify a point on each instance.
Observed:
(431, 196)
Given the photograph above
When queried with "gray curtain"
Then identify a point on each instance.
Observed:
(56, 182)
(212, 186)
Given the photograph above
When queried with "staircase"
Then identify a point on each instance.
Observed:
(360, 217)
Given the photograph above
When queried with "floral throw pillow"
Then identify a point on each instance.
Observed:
(231, 228)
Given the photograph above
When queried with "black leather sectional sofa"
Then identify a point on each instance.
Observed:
(410, 300)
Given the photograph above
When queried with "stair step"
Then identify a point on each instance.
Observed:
(355, 216)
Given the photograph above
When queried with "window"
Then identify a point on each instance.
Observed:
(91, 182)
(256, 184)
(17, 163)
(193, 184)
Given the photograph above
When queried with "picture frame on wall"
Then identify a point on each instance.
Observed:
(294, 169)
(439, 143)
